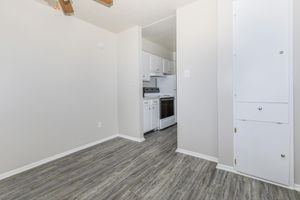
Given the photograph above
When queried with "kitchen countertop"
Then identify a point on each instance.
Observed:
(157, 96)
(151, 97)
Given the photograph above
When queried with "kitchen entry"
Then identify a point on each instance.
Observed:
(159, 75)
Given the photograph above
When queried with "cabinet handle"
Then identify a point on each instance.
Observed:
(260, 108)
(282, 156)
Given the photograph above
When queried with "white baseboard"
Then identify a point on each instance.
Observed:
(135, 139)
(226, 168)
(52, 158)
(61, 155)
(297, 187)
(232, 170)
(198, 155)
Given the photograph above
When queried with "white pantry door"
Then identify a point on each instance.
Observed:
(263, 150)
(261, 48)
(262, 89)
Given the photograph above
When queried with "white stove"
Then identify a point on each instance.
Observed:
(167, 106)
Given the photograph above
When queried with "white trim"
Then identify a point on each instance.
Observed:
(52, 158)
(198, 155)
(159, 21)
(291, 92)
(297, 187)
(66, 153)
(225, 168)
(232, 170)
(135, 139)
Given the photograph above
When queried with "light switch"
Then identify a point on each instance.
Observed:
(187, 74)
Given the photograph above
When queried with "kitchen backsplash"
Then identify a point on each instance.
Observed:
(152, 83)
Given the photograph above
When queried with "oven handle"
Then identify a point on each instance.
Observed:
(167, 99)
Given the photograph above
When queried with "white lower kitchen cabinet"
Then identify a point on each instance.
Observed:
(147, 116)
(151, 115)
(155, 114)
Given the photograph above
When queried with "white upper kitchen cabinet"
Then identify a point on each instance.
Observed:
(173, 67)
(167, 68)
(156, 65)
(146, 62)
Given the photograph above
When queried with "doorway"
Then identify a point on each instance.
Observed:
(159, 75)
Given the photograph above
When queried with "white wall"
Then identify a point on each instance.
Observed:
(197, 95)
(297, 87)
(130, 83)
(225, 71)
(225, 82)
(156, 49)
(56, 84)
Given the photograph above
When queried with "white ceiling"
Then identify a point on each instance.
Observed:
(162, 33)
(125, 13)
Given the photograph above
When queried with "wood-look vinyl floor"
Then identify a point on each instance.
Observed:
(126, 170)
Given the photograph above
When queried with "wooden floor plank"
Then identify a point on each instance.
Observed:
(122, 169)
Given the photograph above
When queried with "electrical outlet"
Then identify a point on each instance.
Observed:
(99, 124)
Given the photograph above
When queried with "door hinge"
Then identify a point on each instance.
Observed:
(235, 130)
(234, 15)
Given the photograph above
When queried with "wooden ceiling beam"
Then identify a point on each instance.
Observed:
(67, 7)
(107, 3)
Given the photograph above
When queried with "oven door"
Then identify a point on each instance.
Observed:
(167, 108)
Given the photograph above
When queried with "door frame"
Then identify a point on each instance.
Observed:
(291, 93)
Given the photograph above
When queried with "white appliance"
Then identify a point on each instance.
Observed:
(167, 111)
(167, 108)
(168, 87)
(263, 89)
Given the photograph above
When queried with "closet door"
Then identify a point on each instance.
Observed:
(263, 150)
(261, 50)
(262, 89)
